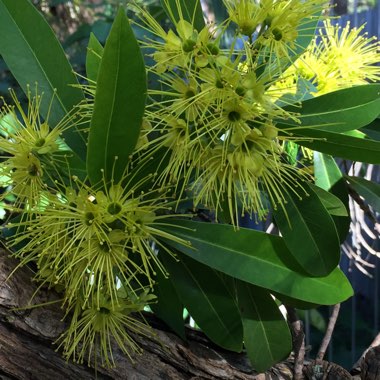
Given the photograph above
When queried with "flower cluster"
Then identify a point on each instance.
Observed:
(99, 245)
(218, 106)
(340, 58)
(218, 113)
(214, 120)
(30, 148)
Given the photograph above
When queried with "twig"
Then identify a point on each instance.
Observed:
(298, 342)
(363, 206)
(328, 334)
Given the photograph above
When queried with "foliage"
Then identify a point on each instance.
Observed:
(130, 188)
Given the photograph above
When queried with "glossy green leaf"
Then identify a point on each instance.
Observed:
(119, 104)
(304, 91)
(34, 55)
(207, 299)
(141, 177)
(168, 307)
(93, 58)
(370, 191)
(372, 130)
(258, 258)
(305, 34)
(356, 133)
(309, 232)
(188, 10)
(326, 171)
(340, 145)
(333, 204)
(267, 338)
(293, 302)
(340, 111)
(329, 177)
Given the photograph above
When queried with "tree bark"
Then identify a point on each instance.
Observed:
(27, 351)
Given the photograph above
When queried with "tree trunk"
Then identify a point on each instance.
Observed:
(27, 351)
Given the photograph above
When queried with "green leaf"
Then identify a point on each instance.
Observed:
(329, 177)
(333, 204)
(207, 299)
(266, 334)
(304, 91)
(293, 302)
(309, 232)
(305, 34)
(340, 145)
(168, 306)
(34, 55)
(356, 133)
(188, 10)
(141, 176)
(340, 111)
(119, 104)
(93, 57)
(326, 171)
(258, 258)
(372, 130)
(370, 191)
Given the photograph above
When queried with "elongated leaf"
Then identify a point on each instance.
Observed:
(333, 204)
(340, 145)
(305, 34)
(309, 232)
(34, 55)
(372, 130)
(258, 258)
(329, 177)
(93, 58)
(119, 104)
(208, 301)
(293, 302)
(189, 10)
(168, 306)
(370, 191)
(326, 171)
(266, 334)
(342, 110)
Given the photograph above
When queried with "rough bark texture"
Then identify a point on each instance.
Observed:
(27, 353)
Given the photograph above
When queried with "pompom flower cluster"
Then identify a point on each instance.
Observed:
(215, 110)
(97, 245)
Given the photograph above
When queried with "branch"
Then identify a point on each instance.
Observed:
(298, 336)
(27, 353)
(329, 331)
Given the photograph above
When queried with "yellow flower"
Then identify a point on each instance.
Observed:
(88, 240)
(34, 151)
(178, 47)
(95, 327)
(284, 20)
(23, 173)
(29, 133)
(246, 14)
(342, 58)
(248, 178)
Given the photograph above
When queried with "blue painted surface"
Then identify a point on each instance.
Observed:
(371, 19)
